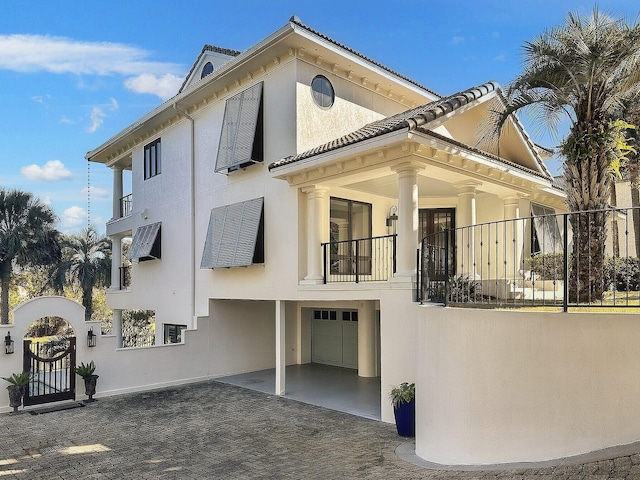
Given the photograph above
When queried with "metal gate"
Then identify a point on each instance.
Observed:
(52, 365)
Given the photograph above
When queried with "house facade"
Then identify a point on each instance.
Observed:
(280, 198)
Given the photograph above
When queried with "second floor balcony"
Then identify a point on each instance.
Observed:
(362, 260)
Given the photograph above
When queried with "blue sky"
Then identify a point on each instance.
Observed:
(73, 74)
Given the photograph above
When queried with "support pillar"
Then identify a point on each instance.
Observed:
(367, 339)
(117, 192)
(465, 237)
(116, 261)
(117, 326)
(281, 349)
(514, 236)
(407, 241)
(317, 224)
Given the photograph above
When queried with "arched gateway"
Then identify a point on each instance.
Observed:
(50, 359)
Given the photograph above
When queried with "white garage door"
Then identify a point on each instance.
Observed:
(335, 339)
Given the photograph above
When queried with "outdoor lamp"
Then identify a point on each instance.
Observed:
(8, 344)
(91, 338)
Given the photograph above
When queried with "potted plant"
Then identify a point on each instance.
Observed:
(18, 383)
(86, 371)
(404, 408)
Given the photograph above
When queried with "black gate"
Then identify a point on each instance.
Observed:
(52, 364)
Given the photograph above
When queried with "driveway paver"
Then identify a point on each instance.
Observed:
(214, 430)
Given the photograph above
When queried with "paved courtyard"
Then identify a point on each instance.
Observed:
(213, 430)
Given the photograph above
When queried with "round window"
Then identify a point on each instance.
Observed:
(207, 69)
(322, 91)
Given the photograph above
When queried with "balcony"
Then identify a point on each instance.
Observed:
(362, 260)
(126, 204)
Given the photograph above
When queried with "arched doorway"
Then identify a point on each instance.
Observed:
(50, 356)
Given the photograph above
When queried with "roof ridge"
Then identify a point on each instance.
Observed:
(207, 48)
(296, 21)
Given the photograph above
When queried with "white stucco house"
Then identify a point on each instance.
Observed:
(241, 181)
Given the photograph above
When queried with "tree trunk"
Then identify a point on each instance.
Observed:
(87, 301)
(586, 275)
(5, 277)
(615, 235)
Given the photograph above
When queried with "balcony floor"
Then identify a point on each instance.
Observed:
(332, 387)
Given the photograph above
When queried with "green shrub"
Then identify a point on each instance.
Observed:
(20, 379)
(462, 289)
(546, 266)
(403, 393)
(622, 274)
(86, 369)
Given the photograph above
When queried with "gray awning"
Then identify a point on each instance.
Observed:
(146, 243)
(241, 119)
(232, 235)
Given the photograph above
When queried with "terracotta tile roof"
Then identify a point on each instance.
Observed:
(296, 21)
(409, 119)
(208, 48)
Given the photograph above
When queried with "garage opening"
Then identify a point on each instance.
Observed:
(334, 337)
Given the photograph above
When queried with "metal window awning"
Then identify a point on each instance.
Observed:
(232, 234)
(241, 119)
(146, 243)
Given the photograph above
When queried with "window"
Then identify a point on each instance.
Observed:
(545, 233)
(235, 237)
(241, 138)
(206, 70)
(152, 161)
(322, 91)
(325, 315)
(173, 333)
(350, 221)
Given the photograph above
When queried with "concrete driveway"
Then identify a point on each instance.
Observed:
(213, 430)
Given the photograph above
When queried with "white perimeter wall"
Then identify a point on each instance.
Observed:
(500, 386)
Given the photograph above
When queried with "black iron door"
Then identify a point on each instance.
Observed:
(52, 364)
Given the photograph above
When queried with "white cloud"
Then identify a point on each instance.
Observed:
(96, 192)
(38, 99)
(52, 171)
(47, 200)
(37, 53)
(499, 58)
(64, 120)
(114, 104)
(457, 40)
(97, 117)
(62, 55)
(165, 86)
(73, 218)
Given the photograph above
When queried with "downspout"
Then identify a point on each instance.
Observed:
(192, 214)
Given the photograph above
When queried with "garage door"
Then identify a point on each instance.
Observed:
(335, 338)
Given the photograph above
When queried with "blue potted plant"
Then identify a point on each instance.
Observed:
(404, 408)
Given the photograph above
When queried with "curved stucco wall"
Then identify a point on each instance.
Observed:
(513, 386)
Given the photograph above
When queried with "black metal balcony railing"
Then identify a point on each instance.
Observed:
(126, 205)
(363, 260)
(532, 262)
(125, 277)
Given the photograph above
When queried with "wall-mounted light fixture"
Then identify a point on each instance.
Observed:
(392, 220)
(9, 344)
(91, 338)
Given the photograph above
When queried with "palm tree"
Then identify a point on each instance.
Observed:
(632, 167)
(584, 70)
(86, 263)
(27, 237)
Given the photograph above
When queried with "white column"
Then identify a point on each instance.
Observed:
(513, 234)
(317, 224)
(367, 339)
(116, 261)
(407, 241)
(117, 327)
(117, 191)
(281, 349)
(465, 238)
